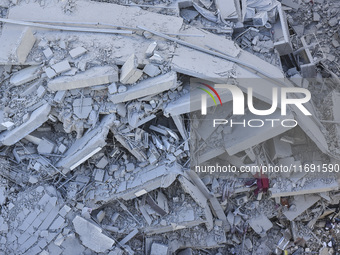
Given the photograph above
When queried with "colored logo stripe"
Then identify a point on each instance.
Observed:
(218, 96)
(209, 95)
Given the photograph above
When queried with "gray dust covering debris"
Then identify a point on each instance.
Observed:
(105, 147)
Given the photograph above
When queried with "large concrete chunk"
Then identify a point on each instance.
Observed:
(16, 43)
(38, 117)
(25, 75)
(87, 146)
(317, 186)
(91, 235)
(103, 13)
(147, 87)
(130, 73)
(91, 77)
(27, 41)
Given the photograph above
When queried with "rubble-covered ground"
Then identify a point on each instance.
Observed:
(104, 148)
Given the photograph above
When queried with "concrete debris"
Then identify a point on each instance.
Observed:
(25, 75)
(169, 127)
(158, 249)
(91, 235)
(129, 72)
(151, 86)
(38, 117)
(91, 77)
(77, 52)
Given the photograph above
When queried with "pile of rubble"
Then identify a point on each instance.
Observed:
(103, 147)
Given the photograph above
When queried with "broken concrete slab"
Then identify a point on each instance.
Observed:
(82, 107)
(103, 13)
(87, 146)
(151, 178)
(227, 10)
(146, 87)
(240, 139)
(38, 117)
(92, 77)
(91, 235)
(299, 205)
(309, 188)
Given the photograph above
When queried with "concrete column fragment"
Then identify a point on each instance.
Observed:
(92, 77)
(146, 87)
(25, 75)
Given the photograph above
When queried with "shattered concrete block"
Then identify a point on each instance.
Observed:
(50, 72)
(25, 75)
(61, 67)
(48, 53)
(102, 163)
(130, 73)
(151, 70)
(77, 52)
(92, 77)
(87, 146)
(91, 235)
(113, 88)
(100, 216)
(150, 50)
(159, 249)
(59, 96)
(38, 117)
(45, 147)
(146, 87)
